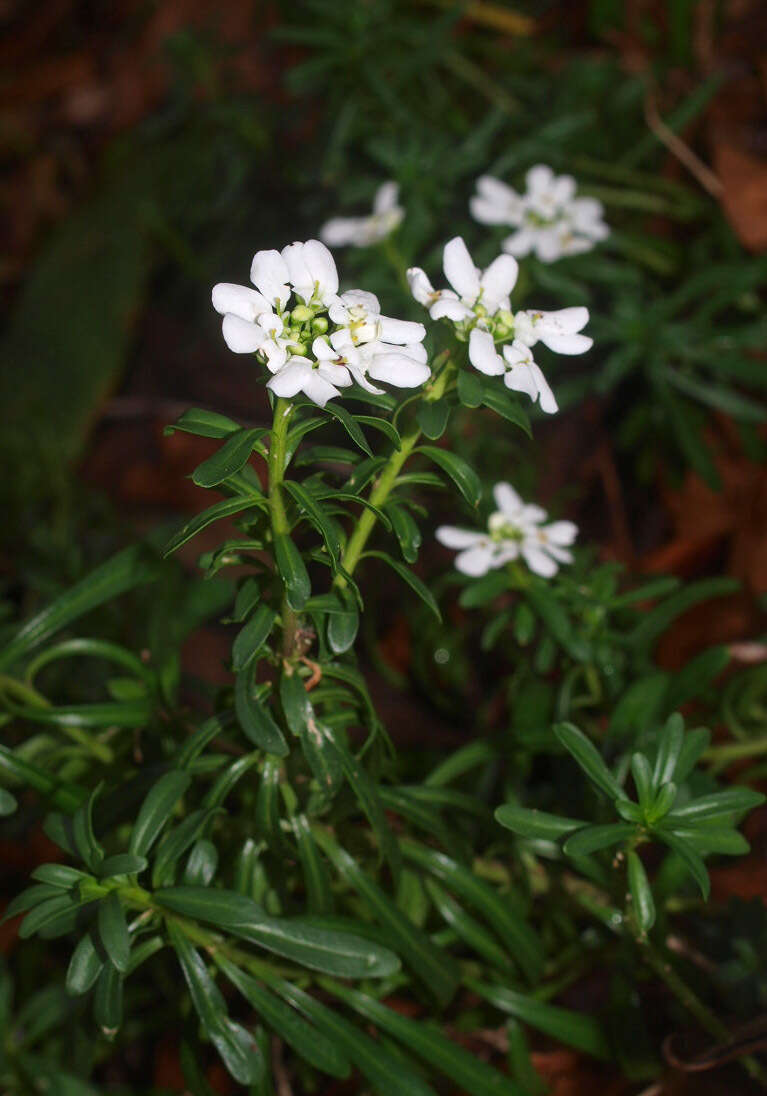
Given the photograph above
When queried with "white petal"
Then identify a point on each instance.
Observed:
(460, 271)
(475, 561)
(498, 281)
(240, 336)
(450, 308)
(520, 379)
(483, 355)
(539, 178)
(359, 377)
(292, 378)
(334, 374)
(520, 243)
(341, 231)
(561, 532)
(322, 269)
(453, 537)
(322, 349)
(567, 344)
(538, 561)
(563, 189)
(420, 286)
(386, 197)
(507, 500)
(269, 274)
(546, 399)
(298, 271)
(239, 300)
(398, 369)
(401, 331)
(548, 245)
(318, 389)
(566, 320)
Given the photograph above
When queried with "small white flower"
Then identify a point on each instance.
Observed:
(476, 293)
(557, 330)
(550, 220)
(515, 530)
(363, 231)
(349, 338)
(520, 372)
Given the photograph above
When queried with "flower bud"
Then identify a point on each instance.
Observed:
(299, 348)
(301, 313)
(319, 325)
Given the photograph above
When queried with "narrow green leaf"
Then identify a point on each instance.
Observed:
(534, 823)
(113, 931)
(123, 863)
(642, 773)
(432, 417)
(205, 424)
(343, 626)
(230, 458)
(405, 530)
(349, 425)
(255, 719)
(306, 1040)
(470, 389)
(641, 893)
(292, 571)
(574, 1029)
(321, 521)
(108, 1000)
(382, 1070)
(8, 803)
(84, 966)
(59, 875)
(729, 801)
(175, 843)
(464, 925)
(252, 637)
(407, 575)
(156, 810)
(319, 896)
(223, 509)
(28, 899)
(434, 967)
(588, 757)
(498, 399)
(499, 910)
(593, 838)
(462, 474)
(669, 748)
(690, 857)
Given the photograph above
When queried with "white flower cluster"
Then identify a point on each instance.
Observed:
(311, 339)
(550, 220)
(363, 231)
(479, 306)
(515, 530)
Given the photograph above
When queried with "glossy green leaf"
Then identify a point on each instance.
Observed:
(157, 809)
(385, 1072)
(59, 875)
(122, 572)
(470, 389)
(29, 898)
(500, 400)
(252, 637)
(405, 530)
(316, 515)
(108, 1000)
(718, 804)
(201, 865)
(554, 616)
(588, 757)
(670, 744)
(407, 575)
(306, 1040)
(690, 857)
(113, 931)
(84, 966)
(175, 843)
(463, 475)
(292, 570)
(593, 838)
(123, 863)
(230, 458)
(205, 424)
(350, 426)
(83, 834)
(224, 509)
(343, 626)
(434, 967)
(255, 719)
(643, 781)
(574, 1029)
(237, 1048)
(533, 823)
(466, 927)
(343, 954)
(8, 803)
(319, 896)
(499, 910)
(643, 904)
(432, 416)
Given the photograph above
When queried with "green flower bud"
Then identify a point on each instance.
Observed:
(319, 325)
(298, 347)
(503, 316)
(301, 313)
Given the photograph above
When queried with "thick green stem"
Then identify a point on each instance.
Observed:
(283, 409)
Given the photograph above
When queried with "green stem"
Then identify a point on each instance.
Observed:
(384, 484)
(721, 756)
(283, 409)
(684, 994)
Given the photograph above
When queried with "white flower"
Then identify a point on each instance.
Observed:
(476, 293)
(549, 218)
(363, 231)
(295, 312)
(520, 372)
(515, 530)
(359, 313)
(319, 381)
(557, 330)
